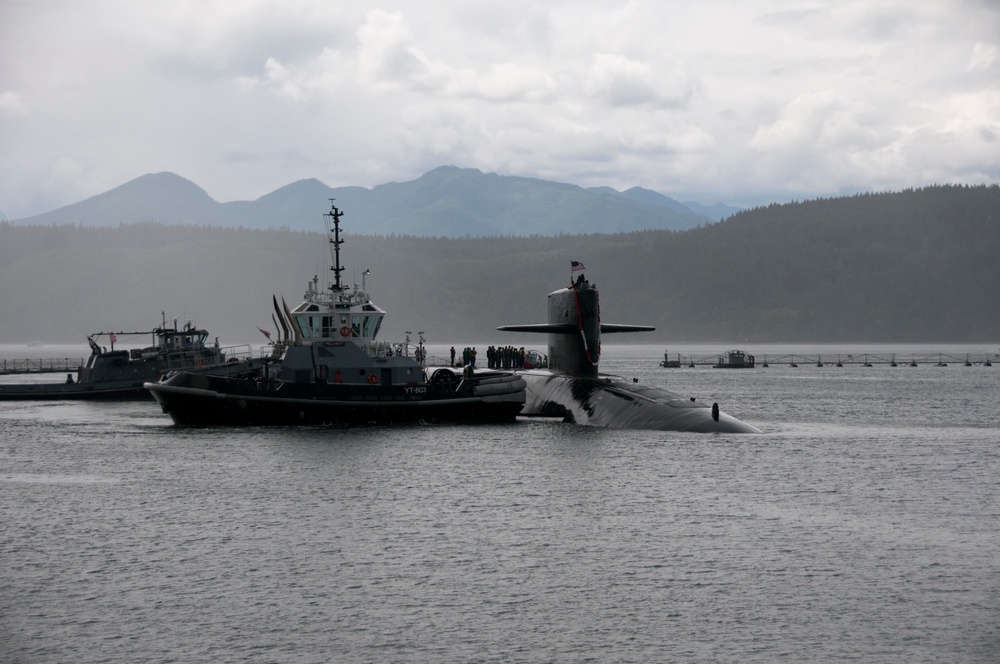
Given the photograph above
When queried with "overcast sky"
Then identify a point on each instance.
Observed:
(736, 101)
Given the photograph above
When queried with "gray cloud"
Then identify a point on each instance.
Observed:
(724, 101)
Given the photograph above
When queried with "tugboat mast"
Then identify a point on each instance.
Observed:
(335, 214)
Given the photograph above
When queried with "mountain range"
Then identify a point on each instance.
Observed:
(445, 202)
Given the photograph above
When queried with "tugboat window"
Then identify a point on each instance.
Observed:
(302, 326)
(356, 326)
(369, 325)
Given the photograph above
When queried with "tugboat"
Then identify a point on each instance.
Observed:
(329, 368)
(119, 375)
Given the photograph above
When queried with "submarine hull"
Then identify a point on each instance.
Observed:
(612, 403)
(573, 389)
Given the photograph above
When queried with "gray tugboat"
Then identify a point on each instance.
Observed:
(329, 368)
(119, 375)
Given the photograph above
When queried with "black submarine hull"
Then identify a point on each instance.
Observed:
(613, 403)
(573, 389)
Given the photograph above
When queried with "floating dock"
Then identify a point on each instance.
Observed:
(985, 359)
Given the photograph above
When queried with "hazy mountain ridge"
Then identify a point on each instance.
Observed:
(914, 266)
(445, 202)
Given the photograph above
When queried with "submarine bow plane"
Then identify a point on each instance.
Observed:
(573, 389)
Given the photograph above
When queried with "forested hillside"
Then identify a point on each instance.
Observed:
(910, 266)
(914, 266)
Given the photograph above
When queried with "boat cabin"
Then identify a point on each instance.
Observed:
(735, 359)
(337, 316)
(332, 335)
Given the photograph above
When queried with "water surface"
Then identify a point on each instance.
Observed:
(861, 526)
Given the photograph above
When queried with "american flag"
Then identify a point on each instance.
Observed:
(576, 265)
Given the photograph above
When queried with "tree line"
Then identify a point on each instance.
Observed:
(911, 266)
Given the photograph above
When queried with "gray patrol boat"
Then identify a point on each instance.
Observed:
(120, 375)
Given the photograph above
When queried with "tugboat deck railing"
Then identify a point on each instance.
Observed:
(175, 360)
(43, 365)
(206, 356)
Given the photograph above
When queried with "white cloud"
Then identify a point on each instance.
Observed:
(387, 54)
(620, 80)
(819, 121)
(14, 104)
(743, 102)
(505, 81)
(983, 56)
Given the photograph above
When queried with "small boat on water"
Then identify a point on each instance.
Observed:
(670, 364)
(329, 368)
(735, 359)
(119, 375)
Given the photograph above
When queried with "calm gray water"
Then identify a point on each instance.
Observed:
(861, 526)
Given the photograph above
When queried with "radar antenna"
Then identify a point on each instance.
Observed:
(335, 214)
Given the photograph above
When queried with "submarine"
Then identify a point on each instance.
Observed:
(573, 389)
